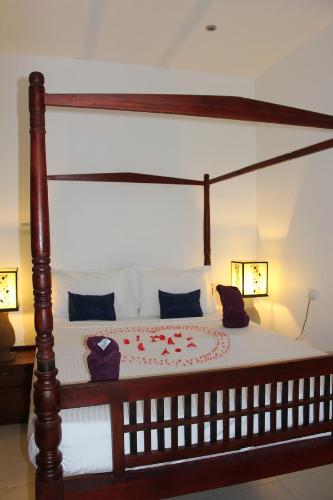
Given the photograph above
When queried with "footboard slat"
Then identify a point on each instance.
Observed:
(160, 418)
(187, 415)
(261, 415)
(213, 411)
(174, 419)
(133, 421)
(201, 414)
(295, 399)
(284, 401)
(317, 403)
(273, 407)
(327, 384)
(147, 420)
(238, 408)
(249, 428)
(226, 413)
(306, 396)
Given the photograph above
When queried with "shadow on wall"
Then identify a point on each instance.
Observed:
(25, 282)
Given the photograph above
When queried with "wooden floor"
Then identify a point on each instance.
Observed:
(17, 478)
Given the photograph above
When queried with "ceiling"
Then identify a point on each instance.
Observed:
(251, 35)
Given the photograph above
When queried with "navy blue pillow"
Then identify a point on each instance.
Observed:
(85, 307)
(180, 305)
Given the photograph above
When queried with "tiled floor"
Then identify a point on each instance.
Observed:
(17, 478)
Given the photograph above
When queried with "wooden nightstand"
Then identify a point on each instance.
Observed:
(15, 386)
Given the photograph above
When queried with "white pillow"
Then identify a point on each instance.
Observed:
(173, 281)
(123, 282)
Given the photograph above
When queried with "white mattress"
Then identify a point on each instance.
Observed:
(86, 432)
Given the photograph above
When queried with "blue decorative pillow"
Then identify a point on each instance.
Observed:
(180, 305)
(85, 307)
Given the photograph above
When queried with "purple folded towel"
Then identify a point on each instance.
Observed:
(104, 359)
(234, 315)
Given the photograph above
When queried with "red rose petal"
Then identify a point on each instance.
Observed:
(141, 347)
(191, 344)
(137, 338)
(189, 338)
(126, 341)
(178, 335)
(153, 338)
(165, 352)
(162, 337)
(170, 341)
(178, 349)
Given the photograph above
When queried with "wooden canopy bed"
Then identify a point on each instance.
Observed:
(282, 451)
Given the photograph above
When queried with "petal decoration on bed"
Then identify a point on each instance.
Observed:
(191, 344)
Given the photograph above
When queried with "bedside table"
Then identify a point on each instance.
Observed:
(15, 387)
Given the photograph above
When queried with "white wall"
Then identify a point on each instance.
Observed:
(295, 203)
(96, 225)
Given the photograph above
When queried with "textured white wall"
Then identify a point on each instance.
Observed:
(295, 204)
(96, 225)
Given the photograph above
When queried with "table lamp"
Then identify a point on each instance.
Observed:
(8, 302)
(250, 277)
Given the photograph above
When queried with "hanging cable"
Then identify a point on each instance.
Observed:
(306, 317)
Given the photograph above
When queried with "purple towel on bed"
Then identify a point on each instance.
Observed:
(104, 359)
(234, 315)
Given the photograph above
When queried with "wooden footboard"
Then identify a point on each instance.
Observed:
(262, 405)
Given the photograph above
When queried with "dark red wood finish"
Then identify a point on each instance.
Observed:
(292, 376)
(295, 375)
(125, 177)
(98, 393)
(207, 252)
(198, 475)
(298, 153)
(15, 386)
(49, 483)
(210, 106)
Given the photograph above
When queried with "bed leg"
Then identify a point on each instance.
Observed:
(49, 490)
(49, 478)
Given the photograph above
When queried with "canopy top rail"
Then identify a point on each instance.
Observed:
(158, 179)
(208, 106)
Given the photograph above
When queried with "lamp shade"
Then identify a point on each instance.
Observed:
(8, 289)
(250, 277)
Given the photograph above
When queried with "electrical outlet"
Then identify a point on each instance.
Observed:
(313, 294)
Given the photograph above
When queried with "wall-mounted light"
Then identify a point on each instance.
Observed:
(8, 302)
(250, 277)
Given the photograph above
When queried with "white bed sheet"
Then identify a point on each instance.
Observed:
(86, 432)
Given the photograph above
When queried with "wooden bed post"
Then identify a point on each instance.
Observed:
(207, 260)
(49, 478)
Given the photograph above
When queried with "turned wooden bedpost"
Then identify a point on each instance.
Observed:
(207, 260)
(49, 479)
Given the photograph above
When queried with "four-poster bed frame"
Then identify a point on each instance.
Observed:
(194, 475)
